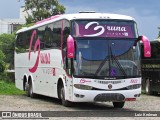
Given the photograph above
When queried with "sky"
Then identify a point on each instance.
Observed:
(146, 12)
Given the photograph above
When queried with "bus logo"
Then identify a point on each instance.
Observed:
(84, 81)
(95, 29)
(109, 86)
(37, 44)
(43, 57)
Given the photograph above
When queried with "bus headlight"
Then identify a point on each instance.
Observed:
(136, 86)
(83, 87)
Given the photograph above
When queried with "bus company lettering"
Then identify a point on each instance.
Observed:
(94, 29)
(116, 28)
(45, 58)
(49, 71)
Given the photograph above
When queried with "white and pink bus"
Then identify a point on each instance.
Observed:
(83, 57)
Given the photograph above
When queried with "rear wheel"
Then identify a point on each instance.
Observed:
(118, 104)
(31, 94)
(27, 89)
(62, 96)
(148, 87)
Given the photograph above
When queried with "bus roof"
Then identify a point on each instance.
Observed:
(155, 41)
(75, 16)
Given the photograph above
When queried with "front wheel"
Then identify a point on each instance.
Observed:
(118, 104)
(64, 101)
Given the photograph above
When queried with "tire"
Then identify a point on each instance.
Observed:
(30, 90)
(27, 89)
(148, 88)
(65, 103)
(118, 104)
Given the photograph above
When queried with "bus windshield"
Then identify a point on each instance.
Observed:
(106, 58)
(105, 48)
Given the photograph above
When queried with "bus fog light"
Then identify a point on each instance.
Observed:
(79, 95)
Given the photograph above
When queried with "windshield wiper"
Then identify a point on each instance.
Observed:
(119, 65)
(112, 57)
(101, 65)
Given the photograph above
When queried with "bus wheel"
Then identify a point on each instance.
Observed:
(118, 104)
(148, 88)
(27, 89)
(32, 95)
(62, 95)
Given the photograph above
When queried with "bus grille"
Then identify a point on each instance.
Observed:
(109, 97)
(107, 82)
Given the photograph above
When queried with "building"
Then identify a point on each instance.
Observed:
(9, 25)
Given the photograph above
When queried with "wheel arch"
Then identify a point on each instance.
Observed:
(24, 81)
(30, 78)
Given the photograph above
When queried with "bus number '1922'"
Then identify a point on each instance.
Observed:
(134, 81)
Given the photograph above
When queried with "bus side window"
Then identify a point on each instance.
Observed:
(47, 37)
(40, 33)
(57, 34)
(20, 43)
(55, 44)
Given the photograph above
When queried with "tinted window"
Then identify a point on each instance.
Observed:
(23, 42)
(98, 49)
(50, 35)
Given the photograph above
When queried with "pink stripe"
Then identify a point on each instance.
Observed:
(37, 44)
(47, 19)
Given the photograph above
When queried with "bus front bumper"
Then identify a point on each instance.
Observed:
(104, 96)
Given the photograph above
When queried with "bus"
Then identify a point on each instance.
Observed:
(151, 69)
(81, 57)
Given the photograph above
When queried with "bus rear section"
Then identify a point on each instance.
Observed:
(151, 70)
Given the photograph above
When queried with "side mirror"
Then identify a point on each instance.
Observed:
(147, 47)
(70, 47)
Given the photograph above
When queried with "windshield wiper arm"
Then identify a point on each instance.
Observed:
(114, 58)
(101, 65)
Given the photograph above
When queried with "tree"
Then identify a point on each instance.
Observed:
(2, 63)
(41, 9)
(7, 49)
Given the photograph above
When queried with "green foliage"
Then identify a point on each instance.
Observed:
(41, 9)
(7, 49)
(7, 85)
(9, 89)
(2, 63)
